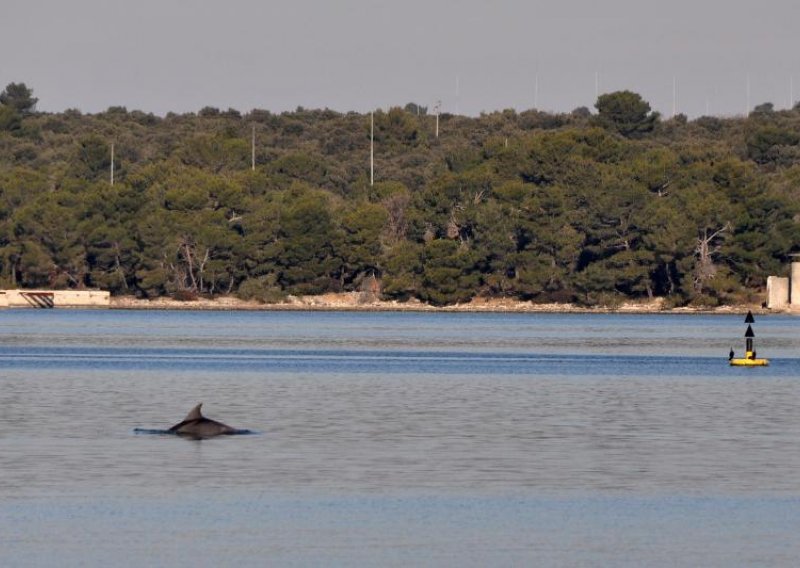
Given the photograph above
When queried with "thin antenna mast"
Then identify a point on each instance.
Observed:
(436, 109)
(747, 110)
(458, 95)
(674, 96)
(371, 148)
(596, 85)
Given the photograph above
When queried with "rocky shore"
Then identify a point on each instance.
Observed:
(356, 301)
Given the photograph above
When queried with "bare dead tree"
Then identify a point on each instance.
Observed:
(706, 246)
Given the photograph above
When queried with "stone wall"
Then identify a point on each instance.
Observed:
(55, 299)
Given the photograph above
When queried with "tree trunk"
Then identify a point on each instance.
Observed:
(187, 255)
(705, 269)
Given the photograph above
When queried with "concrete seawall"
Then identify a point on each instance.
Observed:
(54, 299)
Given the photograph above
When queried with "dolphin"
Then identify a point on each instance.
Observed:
(195, 425)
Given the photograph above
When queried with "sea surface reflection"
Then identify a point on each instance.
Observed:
(397, 439)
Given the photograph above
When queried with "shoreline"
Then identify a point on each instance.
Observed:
(356, 302)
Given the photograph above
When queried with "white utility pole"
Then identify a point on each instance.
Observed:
(112, 163)
(596, 85)
(436, 110)
(747, 110)
(458, 95)
(253, 148)
(536, 92)
(674, 96)
(791, 92)
(371, 148)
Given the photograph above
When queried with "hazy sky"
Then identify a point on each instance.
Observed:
(473, 55)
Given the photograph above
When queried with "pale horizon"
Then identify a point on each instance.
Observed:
(357, 55)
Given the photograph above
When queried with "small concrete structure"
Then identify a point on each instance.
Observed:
(54, 299)
(782, 292)
(794, 284)
(777, 292)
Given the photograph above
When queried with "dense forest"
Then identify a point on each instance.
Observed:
(592, 206)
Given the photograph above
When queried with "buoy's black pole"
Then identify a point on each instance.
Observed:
(748, 341)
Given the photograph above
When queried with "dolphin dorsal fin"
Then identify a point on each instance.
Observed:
(194, 414)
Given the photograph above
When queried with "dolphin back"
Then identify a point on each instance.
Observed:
(198, 426)
(194, 414)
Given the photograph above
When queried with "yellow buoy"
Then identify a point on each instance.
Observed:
(749, 359)
(749, 362)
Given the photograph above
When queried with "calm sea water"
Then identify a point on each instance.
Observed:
(393, 439)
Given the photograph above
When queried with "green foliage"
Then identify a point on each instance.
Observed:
(449, 273)
(626, 112)
(19, 97)
(217, 153)
(414, 108)
(361, 245)
(403, 266)
(10, 119)
(304, 254)
(396, 126)
(92, 157)
(531, 205)
(765, 143)
(264, 290)
(301, 166)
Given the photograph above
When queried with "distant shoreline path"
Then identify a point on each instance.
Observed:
(355, 302)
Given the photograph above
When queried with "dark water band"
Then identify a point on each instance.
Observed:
(168, 433)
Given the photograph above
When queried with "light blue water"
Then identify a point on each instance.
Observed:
(397, 439)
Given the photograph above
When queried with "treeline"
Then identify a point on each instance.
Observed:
(589, 207)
